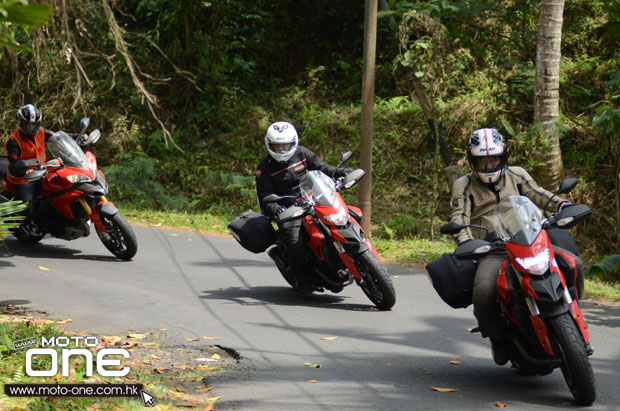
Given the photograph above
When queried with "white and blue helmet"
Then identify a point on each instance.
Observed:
(281, 132)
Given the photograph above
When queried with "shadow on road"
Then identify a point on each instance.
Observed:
(267, 295)
(42, 250)
(601, 315)
(237, 262)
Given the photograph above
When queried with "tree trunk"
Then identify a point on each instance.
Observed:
(546, 93)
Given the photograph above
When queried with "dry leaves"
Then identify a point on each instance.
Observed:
(205, 389)
(215, 356)
(310, 365)
(500, 404)
(68, 320)
(192, 339)
(137, 336)
(44, 268)
(211, 338)
(328, 338)
(312, 381)
(456, 361)
(445, 389)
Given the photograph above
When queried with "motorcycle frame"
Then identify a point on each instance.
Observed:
(347, 239)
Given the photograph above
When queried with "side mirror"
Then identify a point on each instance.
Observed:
(84, 123)
(344, 158)
(567, 185)
(451, 228)
(472, 250)
(352, 178)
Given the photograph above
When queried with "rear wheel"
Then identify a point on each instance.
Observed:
(376, 282)
(119, 237)
(575, 364)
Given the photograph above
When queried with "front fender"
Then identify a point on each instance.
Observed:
(105, 209)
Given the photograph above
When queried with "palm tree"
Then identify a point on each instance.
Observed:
(546, 93)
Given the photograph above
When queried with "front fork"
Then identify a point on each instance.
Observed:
(564, 302)
(103, 207)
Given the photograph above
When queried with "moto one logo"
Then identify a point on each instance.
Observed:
(102, 358)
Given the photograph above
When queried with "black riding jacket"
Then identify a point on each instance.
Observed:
(273, 177)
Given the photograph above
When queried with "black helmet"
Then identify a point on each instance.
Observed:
(486, 144)
(28, 120)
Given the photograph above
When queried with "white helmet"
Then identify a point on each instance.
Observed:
(485, 144)
(281, 132)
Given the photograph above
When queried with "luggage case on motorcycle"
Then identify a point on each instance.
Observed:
(453, 279)
(253, 231)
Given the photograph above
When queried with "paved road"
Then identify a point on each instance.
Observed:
(197, 285)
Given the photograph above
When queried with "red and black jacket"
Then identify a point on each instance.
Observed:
(283, 178)
(23, 152)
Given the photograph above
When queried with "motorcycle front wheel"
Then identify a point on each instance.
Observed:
(376, 282)
(119, 237)
(575, 364)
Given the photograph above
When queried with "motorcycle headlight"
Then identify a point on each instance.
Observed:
(339, 218)
(78, 178)
(538, 264)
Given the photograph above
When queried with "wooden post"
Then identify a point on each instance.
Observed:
(368, 97)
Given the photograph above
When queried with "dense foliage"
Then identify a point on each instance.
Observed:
(208, 77)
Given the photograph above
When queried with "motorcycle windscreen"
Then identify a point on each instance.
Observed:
(317, 187)
(518, 220)
(67, 150)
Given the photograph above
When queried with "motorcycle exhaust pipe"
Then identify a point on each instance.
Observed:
(543, 362)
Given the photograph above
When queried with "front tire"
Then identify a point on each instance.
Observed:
(119, 237)
(376, 282)
(575, 365)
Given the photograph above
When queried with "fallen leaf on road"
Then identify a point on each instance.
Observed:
(205, 389)
(328, 338)
(313, 381)
(186, 404)
(174, 235)
(209, 407)
(44, 268)
(500, 404)
(445, 389)
(153, 356)
(112, 339)
(212, 399)
(428, 372)
(68, 320)
(137, 336)
(185, 367)
(192, 339)
(456, 361)
(189, 239)
(395, 276)
(160, 370)
(148, 362)
(216, 356)
(469, 329)
(310, 365)
(211, 338)
(388, 364)
(206, 368)
(163, 329)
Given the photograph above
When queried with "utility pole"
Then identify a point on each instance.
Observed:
(368, 97)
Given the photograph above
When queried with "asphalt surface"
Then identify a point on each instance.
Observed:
(197, 285)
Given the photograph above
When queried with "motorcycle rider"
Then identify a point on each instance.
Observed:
(280, 172)
(25, 148)
(474, 197)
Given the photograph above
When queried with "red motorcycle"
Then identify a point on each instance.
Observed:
(72, 195)
(538, 289)
(338, 253)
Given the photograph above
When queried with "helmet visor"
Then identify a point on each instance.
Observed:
(30, 128)
(488, 164)
(280, 147)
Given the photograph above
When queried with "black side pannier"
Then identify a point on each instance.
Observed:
(453, 279)
(253, 231)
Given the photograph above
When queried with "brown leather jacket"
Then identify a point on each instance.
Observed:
(474, 202)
